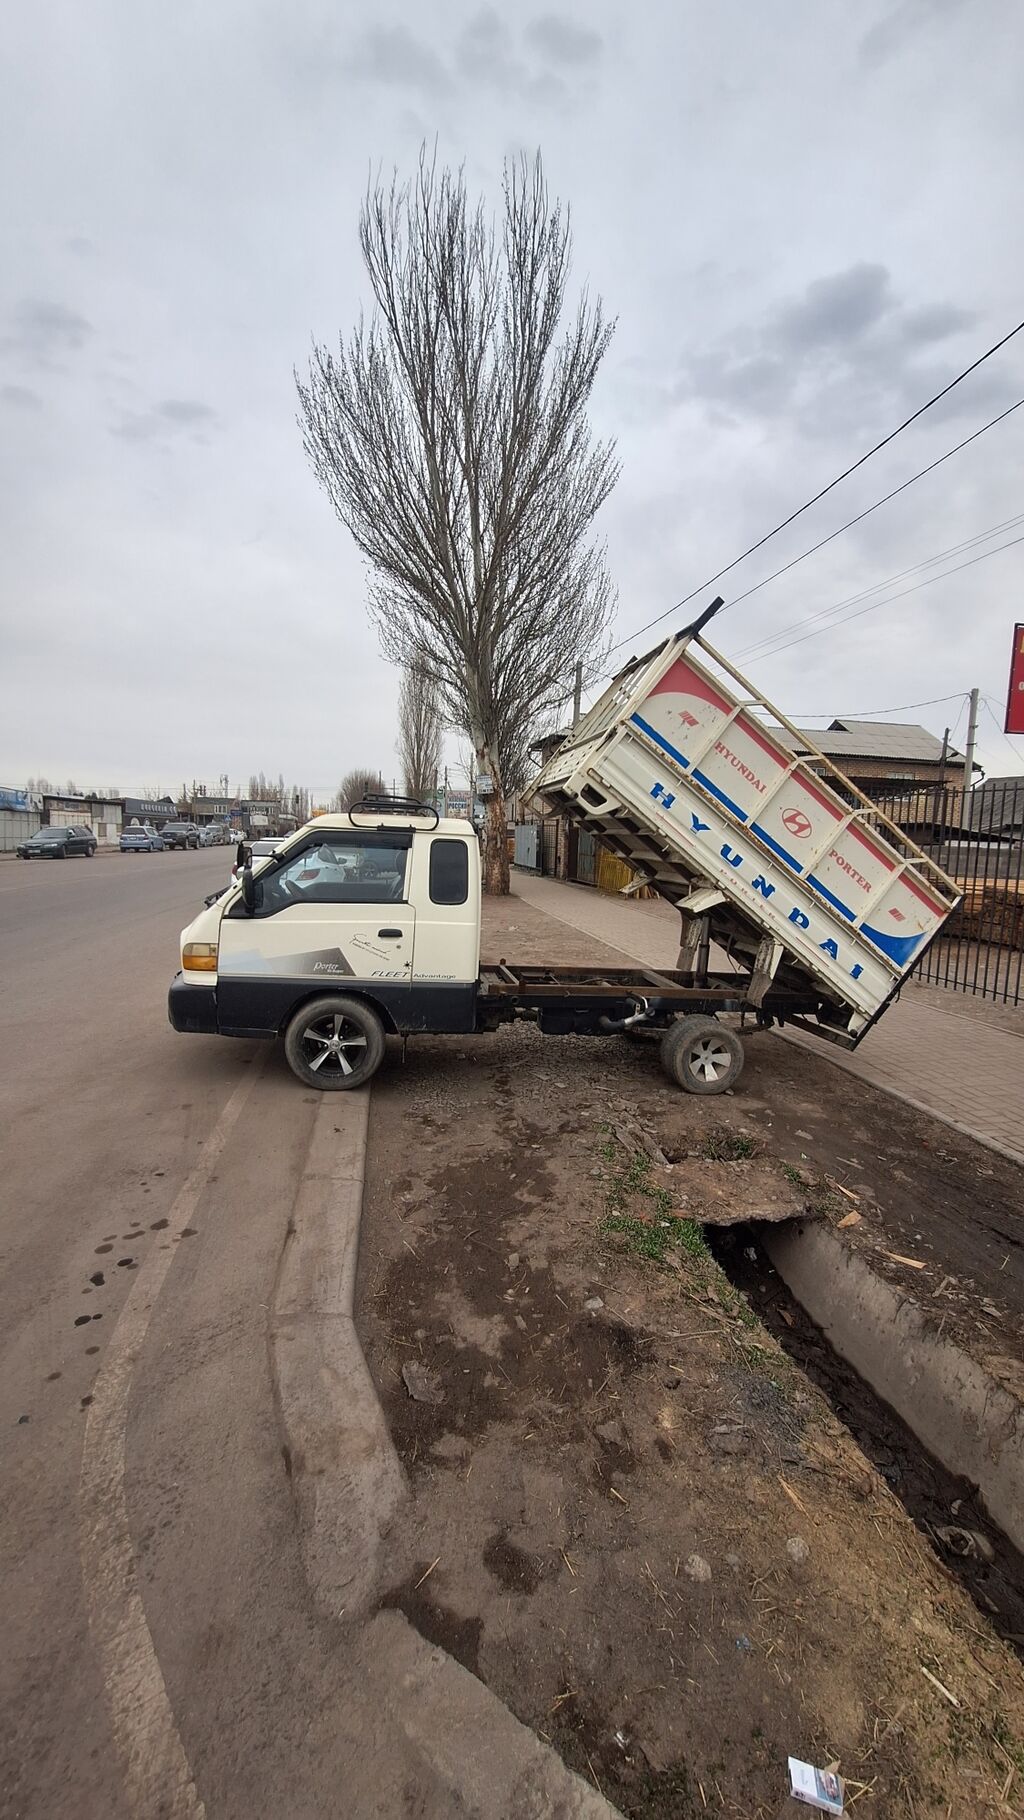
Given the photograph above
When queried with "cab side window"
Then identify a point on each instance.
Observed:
(449, 871)
(337, 870)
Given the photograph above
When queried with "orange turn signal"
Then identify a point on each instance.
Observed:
(199, 957)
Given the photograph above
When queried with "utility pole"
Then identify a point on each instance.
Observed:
(939, 802)
(972, 735)
(944, 757)
(577, 695)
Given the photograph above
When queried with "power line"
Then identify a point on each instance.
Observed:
(852, 469)
(954, 728)
(1000, 730)
(874, 605)
(866, 713)
(930, 469)
(850, 600)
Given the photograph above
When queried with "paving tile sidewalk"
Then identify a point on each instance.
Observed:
(945, 1053)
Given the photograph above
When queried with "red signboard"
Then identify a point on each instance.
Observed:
(1015, 693)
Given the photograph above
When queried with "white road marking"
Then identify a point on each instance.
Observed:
(158, 1778)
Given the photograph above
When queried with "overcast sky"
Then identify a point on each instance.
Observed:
(805, 215)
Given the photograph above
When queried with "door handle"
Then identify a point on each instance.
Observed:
(391, 935)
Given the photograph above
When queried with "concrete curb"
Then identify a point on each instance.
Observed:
(349, 1486)
(494, 1767)
(967, 1419)
(346, 1478)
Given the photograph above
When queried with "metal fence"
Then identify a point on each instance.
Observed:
(16, 825)
(980, 843)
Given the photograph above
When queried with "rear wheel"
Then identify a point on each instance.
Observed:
(701, 1055)
(89, 851)
(335, 1043)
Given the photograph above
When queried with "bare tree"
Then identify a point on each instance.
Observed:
(359, 783)
(451, 437)
(419, 730)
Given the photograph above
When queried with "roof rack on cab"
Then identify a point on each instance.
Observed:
(380, 803)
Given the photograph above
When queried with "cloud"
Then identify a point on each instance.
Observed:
(485, 55)
(21, 397)
(560, 40)
(80, 246)
(172, 415)
(186, 411)
(43, 331)
(935, 322)
(392, 55)
(886, 38)
(834, 310)
(833, 358)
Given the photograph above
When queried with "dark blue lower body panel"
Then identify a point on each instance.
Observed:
(263, 1007)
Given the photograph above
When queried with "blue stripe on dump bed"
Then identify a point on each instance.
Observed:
(652, 733)
(826, 893)
(763, 834)
(740, 814)
(899, 948)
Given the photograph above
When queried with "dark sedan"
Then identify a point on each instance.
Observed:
(58, 843)
(180, 834)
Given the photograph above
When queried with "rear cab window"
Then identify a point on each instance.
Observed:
(449, 871)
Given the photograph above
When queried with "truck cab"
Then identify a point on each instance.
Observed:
(373, 910)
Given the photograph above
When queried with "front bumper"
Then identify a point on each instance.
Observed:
(192, 1008)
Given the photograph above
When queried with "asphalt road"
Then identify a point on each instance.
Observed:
(160, 1653)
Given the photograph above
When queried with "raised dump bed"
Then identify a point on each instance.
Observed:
(681, 770)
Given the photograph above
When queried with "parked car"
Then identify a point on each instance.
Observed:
(57, 843)
(142, 839)
(214, 836)
(181, 834)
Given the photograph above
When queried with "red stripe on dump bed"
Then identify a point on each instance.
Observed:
(753, 732)
(681, 680)
(889, 864)
(800, 778)
(916, 891)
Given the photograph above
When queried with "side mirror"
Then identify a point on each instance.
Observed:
(250, 897)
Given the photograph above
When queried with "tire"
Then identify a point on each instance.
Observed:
(90, 852)
(63, 853)
(310, 1039)
(701, 1055)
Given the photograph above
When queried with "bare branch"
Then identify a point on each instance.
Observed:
(450, 433)
(356, 784)
(419, 730)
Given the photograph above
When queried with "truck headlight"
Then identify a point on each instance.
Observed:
(199, 957)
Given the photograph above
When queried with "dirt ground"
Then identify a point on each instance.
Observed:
(633, 1515)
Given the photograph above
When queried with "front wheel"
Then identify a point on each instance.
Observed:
(335, 1043)
(701, 1055)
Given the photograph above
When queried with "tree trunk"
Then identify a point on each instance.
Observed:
(495, 836)
(495, 849)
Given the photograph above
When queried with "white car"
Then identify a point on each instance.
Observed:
(260, 849)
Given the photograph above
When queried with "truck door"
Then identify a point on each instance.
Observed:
(332, 912)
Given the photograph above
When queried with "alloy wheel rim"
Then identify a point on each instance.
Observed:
(708, 1059)
(334, 1036)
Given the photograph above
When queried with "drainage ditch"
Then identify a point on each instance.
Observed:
(946, 1509)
